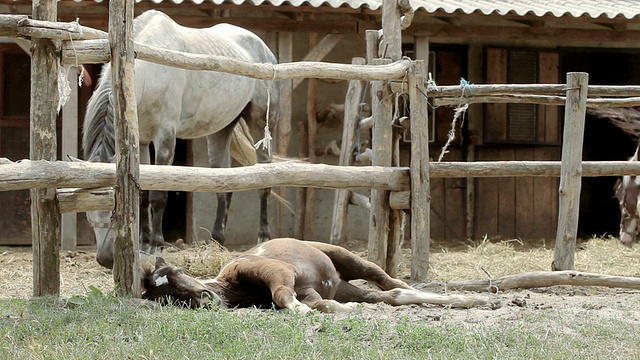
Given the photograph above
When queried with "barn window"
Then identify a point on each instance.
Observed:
(522, 119)
(521, 123)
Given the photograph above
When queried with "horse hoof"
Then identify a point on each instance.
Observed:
(218, 237)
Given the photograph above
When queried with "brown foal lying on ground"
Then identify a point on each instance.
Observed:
(290, 274)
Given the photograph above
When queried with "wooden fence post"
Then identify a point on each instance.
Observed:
(381, 144)
(420, 191)
(350, 127)
(571, 171)
(125, 268)
(45, 213)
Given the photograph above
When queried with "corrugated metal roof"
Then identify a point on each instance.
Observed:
(354, 4)
(577, 8)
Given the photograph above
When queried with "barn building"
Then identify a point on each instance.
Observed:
(466, 42)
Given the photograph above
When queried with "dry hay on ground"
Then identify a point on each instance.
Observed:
(79, 270)
(544, 310)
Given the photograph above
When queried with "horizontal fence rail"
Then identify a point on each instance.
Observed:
(28, 174)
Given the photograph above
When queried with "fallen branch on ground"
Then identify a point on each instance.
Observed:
(537, 279)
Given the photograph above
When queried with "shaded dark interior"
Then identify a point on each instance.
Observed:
(599, 212)
(174, 225)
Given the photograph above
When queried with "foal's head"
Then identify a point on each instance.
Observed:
(627, 191)
(169, 285)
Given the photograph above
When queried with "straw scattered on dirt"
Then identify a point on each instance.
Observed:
(79, 270)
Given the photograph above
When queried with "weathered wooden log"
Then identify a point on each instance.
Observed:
(28, 174)
(59, 174)
(382, 145)
(400, 200)
(85, 52)
(58, 30)
(535, 99)
(571, 171)
(45, 215)
(79, 200)
(9, 25)
(538, 279)
(420, 173)
(350, 123)
(456, 91)
(126, 272)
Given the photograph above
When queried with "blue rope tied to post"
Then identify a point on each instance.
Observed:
(459, 112)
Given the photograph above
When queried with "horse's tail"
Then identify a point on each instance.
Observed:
(98, 136)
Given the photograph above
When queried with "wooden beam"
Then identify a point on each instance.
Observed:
(381, 144)
(82, 52)
(391, 47)
(349, 131)
(285, 55)
(543, 35)
(126, 272)
(319, 51)
(312, 137)
(28, 174)
(420, 183)
(571, 177)
(45, 213)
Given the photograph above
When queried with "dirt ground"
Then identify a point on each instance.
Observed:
(79, 270)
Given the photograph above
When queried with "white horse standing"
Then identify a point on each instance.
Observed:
(176, 103)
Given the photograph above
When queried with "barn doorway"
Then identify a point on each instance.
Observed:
(599, 212)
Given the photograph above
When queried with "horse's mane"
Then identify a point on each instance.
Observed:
(98, 136)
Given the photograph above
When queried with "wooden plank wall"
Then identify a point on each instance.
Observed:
(448, 205)
(525, 207)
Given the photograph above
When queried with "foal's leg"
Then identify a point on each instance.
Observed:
(218, 146)
(395, 292)
(351, 266)
(402, 296)
(278, 276)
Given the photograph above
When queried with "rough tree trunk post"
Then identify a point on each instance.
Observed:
(125, 267)
(45, 214)
(571, 171)
(397, 221)
(283, 129)
(391, 47)
(350, 124)
(420, 191)
(312, 133)
(381, 144)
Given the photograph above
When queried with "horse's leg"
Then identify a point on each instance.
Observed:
(264, 233)
(145, 209)
(218, 146)
(255, 114)
(164, 147)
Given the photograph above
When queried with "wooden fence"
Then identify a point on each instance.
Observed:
(43, 175)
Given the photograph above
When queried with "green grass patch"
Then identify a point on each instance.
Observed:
(99, 326)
